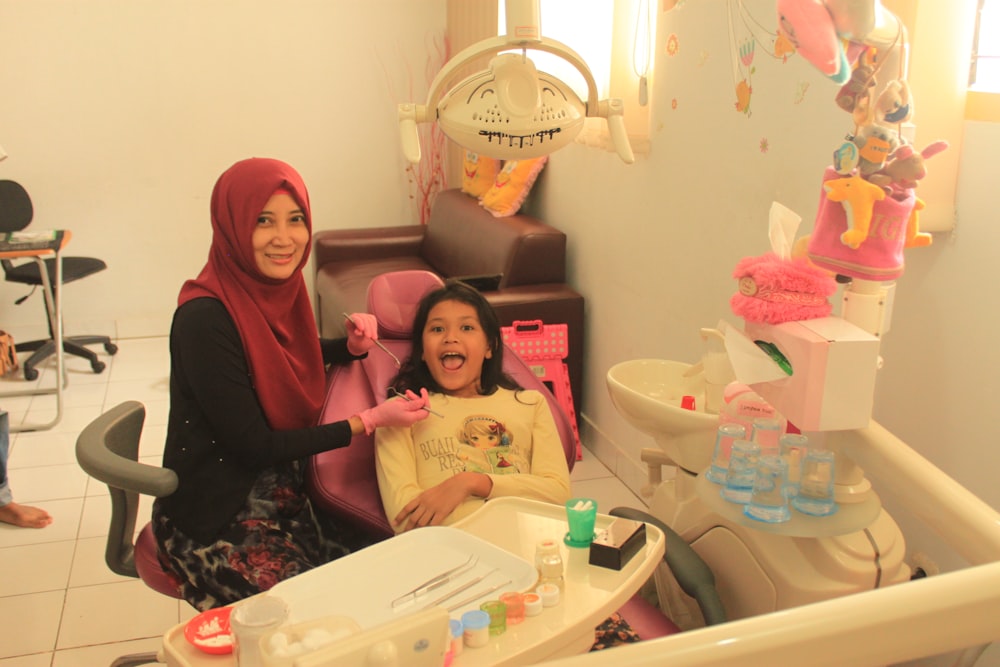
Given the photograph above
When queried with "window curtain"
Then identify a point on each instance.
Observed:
(467, 23)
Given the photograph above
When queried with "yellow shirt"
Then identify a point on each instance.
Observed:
(510, 436)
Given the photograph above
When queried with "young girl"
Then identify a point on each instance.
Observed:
(493, 438)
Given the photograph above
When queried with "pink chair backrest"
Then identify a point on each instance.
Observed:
(342, 482)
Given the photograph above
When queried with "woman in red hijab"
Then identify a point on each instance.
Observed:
(247, 379)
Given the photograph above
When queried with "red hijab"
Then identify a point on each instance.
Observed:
(274, 317)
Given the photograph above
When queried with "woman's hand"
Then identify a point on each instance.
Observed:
(362, 331)
(405, 410)
(436, 504)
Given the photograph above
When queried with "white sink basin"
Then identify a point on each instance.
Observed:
(648, 393)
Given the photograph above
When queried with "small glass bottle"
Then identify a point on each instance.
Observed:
(545, 548)
(552, 572)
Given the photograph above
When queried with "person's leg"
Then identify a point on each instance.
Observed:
(23, 516)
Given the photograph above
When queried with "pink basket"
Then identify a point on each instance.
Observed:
(880, 255)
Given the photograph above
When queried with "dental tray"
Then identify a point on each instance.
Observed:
(363, 585)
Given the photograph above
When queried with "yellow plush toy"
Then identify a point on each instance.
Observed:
(858, 197)
(512, 185)
(478, 173)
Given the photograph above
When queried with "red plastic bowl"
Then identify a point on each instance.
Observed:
(209, 631)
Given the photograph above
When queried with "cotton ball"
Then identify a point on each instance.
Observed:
(279, 641)
(316, 638)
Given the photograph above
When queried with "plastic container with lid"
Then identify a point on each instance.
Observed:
(476, 628)
(515, 606)
(457, 631)
(550, 594)
(532, 604)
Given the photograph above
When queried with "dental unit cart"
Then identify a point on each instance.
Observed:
(505, 532)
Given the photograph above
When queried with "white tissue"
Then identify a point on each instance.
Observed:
(750, 363)
(782, 224)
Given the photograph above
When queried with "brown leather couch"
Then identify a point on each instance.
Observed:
(460, 239)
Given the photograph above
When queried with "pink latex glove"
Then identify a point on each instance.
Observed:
(362, 331)
(397, 411)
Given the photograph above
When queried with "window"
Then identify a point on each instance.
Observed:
(582, 25)
(984, 73)
(614, 38)
(983, 99)
(940, 40)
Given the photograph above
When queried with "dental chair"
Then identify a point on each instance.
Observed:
(108, 450)
(342, 482)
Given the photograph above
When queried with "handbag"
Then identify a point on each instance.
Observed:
(8, 355)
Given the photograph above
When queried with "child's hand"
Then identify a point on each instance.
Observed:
(436, 504)
(362, 331)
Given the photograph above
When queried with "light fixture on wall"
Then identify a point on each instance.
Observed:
(511, 111)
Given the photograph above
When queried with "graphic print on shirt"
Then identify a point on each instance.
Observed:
(487, 446)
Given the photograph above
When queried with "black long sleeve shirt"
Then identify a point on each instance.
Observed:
(218, 439)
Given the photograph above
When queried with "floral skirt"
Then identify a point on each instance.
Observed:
(614, 631)
(276, 536)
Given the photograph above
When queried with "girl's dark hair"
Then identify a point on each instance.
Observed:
(414, 373)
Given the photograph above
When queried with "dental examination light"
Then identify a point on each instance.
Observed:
(511, 111)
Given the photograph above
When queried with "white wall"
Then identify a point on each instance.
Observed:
(118, 116)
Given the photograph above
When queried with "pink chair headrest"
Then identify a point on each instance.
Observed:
(393, 299)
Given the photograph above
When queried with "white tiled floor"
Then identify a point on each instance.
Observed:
(60, 606)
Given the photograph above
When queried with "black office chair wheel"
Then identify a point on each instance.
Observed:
(97, 366)
(30, 374)
(111, 348)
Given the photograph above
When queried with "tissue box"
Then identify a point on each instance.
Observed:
(832, 386)
(615, 546)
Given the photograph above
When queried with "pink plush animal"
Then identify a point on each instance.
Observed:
(809, 26)
(906, 167)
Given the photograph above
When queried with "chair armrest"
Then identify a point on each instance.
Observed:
(464, 239)
(341, 245)
(692, 573)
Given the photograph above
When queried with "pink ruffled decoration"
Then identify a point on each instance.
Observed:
(775, 290)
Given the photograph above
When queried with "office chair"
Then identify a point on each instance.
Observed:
(108, 450)
(16, 213)
(342, 482)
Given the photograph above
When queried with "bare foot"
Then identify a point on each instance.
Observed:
(24, 516)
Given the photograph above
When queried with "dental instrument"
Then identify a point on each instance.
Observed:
(436, 581)
(477, 596)
(378, 344)
(464, 587)
(407, 398)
